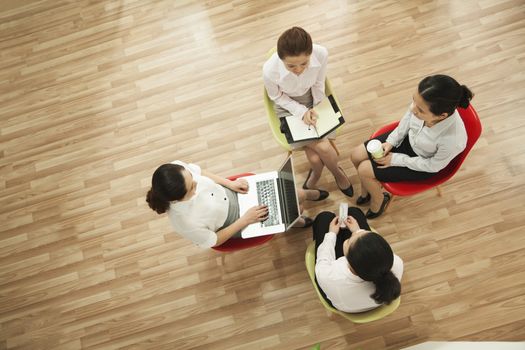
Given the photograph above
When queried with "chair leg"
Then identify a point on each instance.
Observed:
(223, 259)
(334, 146)
(439, 193)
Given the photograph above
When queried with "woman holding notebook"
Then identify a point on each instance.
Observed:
(294, 78)
(203, 207)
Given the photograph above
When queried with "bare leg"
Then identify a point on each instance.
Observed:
(370, 184)
(317, 167)
(303, 195)
(309, 195)
(359, 155)
(329, 157)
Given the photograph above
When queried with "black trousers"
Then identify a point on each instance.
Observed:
(321, 226)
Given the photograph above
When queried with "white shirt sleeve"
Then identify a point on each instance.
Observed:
(397, 267)
(279, 97)
(318, 89)
(445, 153)
(325, 256)
(400, 132)
(201, 236)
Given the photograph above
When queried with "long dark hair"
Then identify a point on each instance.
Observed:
(167, 184)
(371, 257)
(444, 94)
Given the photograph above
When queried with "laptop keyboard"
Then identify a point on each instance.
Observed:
(267, 195)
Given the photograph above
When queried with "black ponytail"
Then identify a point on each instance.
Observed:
(466, 96)
(388, 288)
(444, 94)
(371, 257)
(167, 184)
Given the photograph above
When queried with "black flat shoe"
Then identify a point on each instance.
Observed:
(322, 195)
(363, 200)
(308, 222)
(386, 200)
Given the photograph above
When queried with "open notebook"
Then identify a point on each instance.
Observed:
(330, 118)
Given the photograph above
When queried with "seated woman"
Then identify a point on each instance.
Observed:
(203, 207)
(294, 78)
(428, 137)
(355, 268)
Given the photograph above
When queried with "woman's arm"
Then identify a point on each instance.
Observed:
(280, 98)
(318, 89)
(438, 161)
(400, 132)
(227, 232)
(253, 215)
(238, 185)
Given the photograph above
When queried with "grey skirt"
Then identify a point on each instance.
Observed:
(306, 100)
(233, 210)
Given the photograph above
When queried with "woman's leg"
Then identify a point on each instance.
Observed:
(321, 226)
(309, 195)
(323, 148)
(370, 184)
(360, 217)
(316, 164)
(357, 156)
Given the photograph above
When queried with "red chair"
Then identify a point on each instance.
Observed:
(234, 244)
(404, 188)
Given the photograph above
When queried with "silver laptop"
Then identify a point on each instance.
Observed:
(276, 189)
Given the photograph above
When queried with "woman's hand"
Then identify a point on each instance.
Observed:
(255, 214)
(239, 185)
(385, 161)
(387, 147)
(310, 117)
(351, 224)
(334, 225)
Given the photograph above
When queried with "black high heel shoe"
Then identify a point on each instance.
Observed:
(386, 200)
(349, 192)
(322, 193)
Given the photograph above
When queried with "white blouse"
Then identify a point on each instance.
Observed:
(280, 83)
(346, 291)
(198, 218)
(436, 146)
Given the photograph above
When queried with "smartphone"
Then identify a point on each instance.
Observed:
(343, 214)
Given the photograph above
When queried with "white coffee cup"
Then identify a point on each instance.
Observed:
(375, 147)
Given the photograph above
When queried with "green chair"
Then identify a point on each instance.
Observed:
(273, 120)
(361, 317)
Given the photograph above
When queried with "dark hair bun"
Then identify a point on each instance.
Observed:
(156, 203)
(466, 96)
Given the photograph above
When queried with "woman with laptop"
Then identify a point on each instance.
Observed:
(203, 207)
(355, 268)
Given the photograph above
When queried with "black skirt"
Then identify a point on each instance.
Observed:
(397, 173)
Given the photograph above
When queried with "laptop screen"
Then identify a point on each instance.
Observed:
(287, 193)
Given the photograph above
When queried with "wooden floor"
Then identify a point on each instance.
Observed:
(94, 95)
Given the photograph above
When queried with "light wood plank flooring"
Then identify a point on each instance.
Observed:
(94, 95)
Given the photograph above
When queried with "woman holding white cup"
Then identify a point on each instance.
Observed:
(428, 137)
